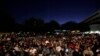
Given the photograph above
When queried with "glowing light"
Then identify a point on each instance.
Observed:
(98, 32)
(91, 32)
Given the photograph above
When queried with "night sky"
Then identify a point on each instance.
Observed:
(60, 10)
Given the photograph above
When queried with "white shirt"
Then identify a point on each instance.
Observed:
(16, 48)
(32, 51)
(26, 50)
(58, 48)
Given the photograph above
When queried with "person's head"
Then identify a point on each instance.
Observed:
(88, 48)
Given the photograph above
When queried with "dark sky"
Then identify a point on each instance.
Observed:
(60, 10)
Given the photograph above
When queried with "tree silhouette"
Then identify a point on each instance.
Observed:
(34, 24)
(52, 25)
(71, 25)
(7, 22)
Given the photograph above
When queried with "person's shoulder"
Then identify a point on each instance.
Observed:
(85, 51)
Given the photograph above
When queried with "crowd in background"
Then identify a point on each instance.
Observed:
(49, 45)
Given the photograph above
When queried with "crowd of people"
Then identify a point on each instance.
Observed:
(49, 45)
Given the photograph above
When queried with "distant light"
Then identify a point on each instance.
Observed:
(57, 33)
(78, 31)
(48, 32)
(73, 31)
(86, 32)
(98, 32)
(91, 32)
(12, 33)
(19, 33)
(64, 30)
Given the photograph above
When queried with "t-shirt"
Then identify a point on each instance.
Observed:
(86, 52)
